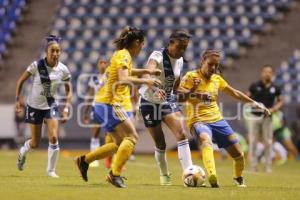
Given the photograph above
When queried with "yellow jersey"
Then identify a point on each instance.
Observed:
(204, 109)
(113, 93)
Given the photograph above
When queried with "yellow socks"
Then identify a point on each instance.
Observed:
(125, 150)
(101, 152)
(238, 166)
(208, 157)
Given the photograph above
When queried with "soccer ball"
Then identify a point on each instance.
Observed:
(193, 176)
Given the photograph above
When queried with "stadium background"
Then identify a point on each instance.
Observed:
(249, 32)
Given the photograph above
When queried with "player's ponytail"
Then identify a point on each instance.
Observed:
(127, 36)
(208, 53)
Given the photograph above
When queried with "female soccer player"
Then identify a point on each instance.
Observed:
(41, 107)
(160, 104)
(113, 106)
(95, 83)
(200, 91)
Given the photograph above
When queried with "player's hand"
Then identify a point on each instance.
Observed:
(153, 82)
(196, 81)
(18, 107)
(155, 72)
(263, 108)
(160, 93)
(85, 119)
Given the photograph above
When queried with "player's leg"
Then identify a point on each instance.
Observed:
(34, 118)
(160, 154)
(204, 136)
(29, 144)
(108, 139)
(125, 128)
(176, 124)
(95, 143)
(268, 142)
(236, 153)
(225, 138)
(53, 148)
(152, 120)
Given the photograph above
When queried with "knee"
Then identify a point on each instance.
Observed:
(53, 139)
(161, 145)
(34, 144)
(181, 135)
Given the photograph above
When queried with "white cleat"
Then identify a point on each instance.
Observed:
(94, 164)
(21, 162)
(52, 174)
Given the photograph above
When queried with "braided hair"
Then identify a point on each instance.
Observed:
(127, 36)
(208, 53)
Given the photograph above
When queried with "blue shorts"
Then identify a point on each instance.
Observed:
(37, 116)
(153, 113)
(219, 132)
(109, 116)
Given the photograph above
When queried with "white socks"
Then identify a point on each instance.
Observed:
(184, 153)
(53, 153)
(25, 148)
(95, 143)
(161, 159)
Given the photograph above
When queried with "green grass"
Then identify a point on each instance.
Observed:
(31, 184)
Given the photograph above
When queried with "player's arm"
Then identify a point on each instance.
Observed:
(186, 88)
(68, 89)
(244, 98)
(19, 87)
(125, 78)
(141, 72)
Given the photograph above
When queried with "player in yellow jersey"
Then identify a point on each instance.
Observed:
(200, 89)
(113, 106)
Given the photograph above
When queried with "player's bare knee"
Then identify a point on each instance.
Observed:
(53, 139)
(34, 144)
(161, 145)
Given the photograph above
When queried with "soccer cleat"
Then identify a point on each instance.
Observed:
(213, 181)
(83, 167)
(115, 180)
(94, 163)
(21, 162)
(52, 174)
(239, 181)
(165, 179)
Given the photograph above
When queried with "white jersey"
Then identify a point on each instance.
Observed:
(177, 64)
(96, 82)
(59, 73)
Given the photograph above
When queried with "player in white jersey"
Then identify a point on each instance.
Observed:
(95, 83)
(160, 104)
(46, 74)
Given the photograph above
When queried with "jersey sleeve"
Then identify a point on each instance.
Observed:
(32, 68)
(122, 60)
(222, 83)
(157, 56)
(187, 81)
(66, 73)
(91, 82)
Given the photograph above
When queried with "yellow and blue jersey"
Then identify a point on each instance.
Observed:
(206, 109)
(113, 93)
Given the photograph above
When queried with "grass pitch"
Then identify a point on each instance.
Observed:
(143, 181)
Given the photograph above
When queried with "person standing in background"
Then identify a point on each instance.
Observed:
(267, 93)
